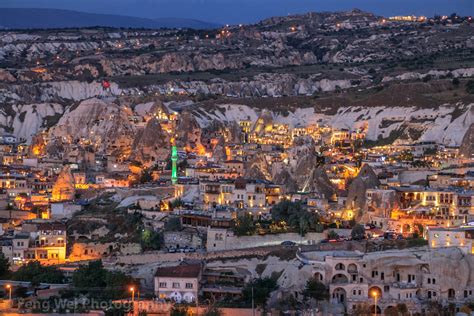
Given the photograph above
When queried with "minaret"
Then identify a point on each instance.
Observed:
(174, 159)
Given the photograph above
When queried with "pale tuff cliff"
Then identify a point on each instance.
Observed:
(467, 146)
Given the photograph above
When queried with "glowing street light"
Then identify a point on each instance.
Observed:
(9, 288)
(374, 295)
(132, 289)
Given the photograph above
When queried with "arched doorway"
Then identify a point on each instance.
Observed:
(352, 268)
(188, 297)
(375, 291)
(339, 295)
(176, 296)
(340, 266)
(451, 294)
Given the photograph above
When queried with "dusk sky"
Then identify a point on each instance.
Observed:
(245, 11)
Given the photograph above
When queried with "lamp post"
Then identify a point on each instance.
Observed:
(9, 288)
(375, 294)
(132, 289)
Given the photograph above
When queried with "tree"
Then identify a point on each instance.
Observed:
(4, 265)
(151, 240)
(35, 273)
(117, 284)
(293, 214)
(333, 235)
(173, 224)
(179, 311)
(21, 292)
(391, 311)
(362, 310)
(419, 228)
(261, 291)
(316, 290)
(95, 280)
(244, 225)
(402, 309)
(146, 176)
(358, 232)
(470, 87)
(89, 276)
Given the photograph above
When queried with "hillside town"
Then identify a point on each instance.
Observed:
(214, 197)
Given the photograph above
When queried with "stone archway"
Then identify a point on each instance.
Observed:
(189, 297)
(340, 266)
(176, 296)
(375, 291)
(451, 294)
(339, 295)
(352, 268)
(340, 278)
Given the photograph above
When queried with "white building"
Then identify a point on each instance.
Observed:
(461, 237)
(178, 283)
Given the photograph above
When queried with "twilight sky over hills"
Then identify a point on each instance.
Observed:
(245, 11)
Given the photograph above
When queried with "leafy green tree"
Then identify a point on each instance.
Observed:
(89, 276)
(151, 240)
(316, 290)
(244, 225)
(4, 265)
(293, 214)
(261, 291)
(173, 224)
(35, 273)
(95, 280)
(118, 284)
(358, 232)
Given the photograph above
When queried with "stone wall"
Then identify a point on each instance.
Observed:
(222, 239)
(93, 250)
(184, 238)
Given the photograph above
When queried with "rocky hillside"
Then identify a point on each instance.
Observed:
(405, 81)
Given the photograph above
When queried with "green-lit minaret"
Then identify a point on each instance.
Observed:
(174, 159)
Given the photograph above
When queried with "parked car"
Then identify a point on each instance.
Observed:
(288, 243)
